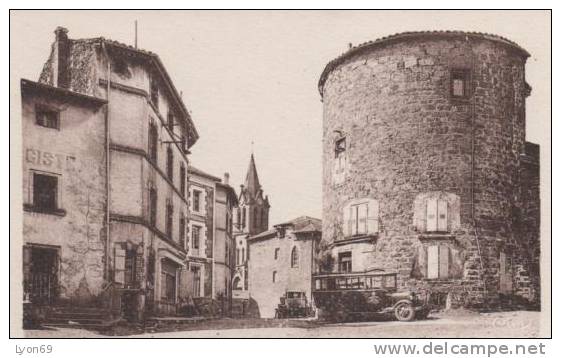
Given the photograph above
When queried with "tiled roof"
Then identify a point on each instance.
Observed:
(409, 35)
(302, 224)
(158, 64)
(191, 169)
(271, 232)
(28, 85)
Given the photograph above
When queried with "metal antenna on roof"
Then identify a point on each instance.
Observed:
(135, 34)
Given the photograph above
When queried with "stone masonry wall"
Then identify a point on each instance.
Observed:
(406, 135)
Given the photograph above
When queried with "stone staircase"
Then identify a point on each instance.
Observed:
(79, 317)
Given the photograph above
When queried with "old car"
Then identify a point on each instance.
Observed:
(347, 296)
(294, 304)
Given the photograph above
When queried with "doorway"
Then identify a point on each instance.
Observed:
(40, 274)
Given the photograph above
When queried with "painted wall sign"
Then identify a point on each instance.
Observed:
(44, 158)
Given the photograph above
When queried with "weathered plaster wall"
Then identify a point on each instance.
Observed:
(75, 153)
(262, 264)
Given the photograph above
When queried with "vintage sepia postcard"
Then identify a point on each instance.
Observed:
(280, 174)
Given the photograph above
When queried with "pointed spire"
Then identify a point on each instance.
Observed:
(251, 179)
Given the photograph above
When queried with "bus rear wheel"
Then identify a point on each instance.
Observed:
(404, 312)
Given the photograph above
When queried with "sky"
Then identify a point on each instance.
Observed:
(251, 77)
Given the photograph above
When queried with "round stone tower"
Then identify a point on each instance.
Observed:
(423, 137)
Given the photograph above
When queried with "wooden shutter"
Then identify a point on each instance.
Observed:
(373, 210)
(431, 215)
(432, 262)
(352, 220)
(362, 211)
(347, 220)
(422, 260)
(442, 220)
(119, 266)
(444, 261)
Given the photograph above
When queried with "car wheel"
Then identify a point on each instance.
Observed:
(404, 311)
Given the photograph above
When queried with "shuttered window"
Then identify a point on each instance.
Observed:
(432, 262)
(438, 262)
(169, 164)
(152, 142)
(182, 182)
(153, 202)
(437, 215)
(361, 218)
(432, 210)
(169, 220)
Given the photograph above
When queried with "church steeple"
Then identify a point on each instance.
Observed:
(253, 210)
(252, 180)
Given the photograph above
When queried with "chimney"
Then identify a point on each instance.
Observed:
(226, 180)
(61, 73)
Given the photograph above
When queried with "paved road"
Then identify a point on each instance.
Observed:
(501, 324)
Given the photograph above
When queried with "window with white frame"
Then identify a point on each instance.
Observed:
(195, 236)
(197, 200)
(345, 261)
(361, 217)
(437, 215)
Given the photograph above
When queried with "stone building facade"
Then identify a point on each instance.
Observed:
(210, 239)
(134, 164)
(282, 262)
(427, 172)
(251, 217)
(201, 231)
(63, 194)
(224, 244)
